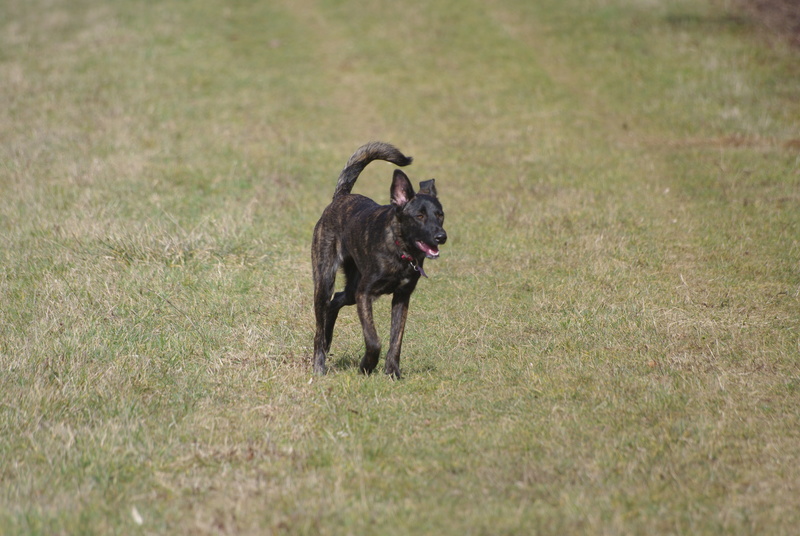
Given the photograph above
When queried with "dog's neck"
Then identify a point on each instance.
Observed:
(405, 257)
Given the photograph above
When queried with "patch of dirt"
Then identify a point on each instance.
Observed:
(778, 16)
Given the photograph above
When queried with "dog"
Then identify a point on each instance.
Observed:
(380, 249)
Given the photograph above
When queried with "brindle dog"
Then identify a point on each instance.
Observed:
(381, 250)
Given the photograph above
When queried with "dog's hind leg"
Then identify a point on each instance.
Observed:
(372, 343)
(322, 295)
(325, 263)
(399, 314)
(341, 299)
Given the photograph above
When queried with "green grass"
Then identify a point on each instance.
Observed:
(608, 345)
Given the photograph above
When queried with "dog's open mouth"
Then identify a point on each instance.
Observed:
(431, 252)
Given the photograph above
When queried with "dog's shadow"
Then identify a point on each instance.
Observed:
(344, 360)
(352, 360)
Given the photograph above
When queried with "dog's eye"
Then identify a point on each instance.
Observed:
(420, 217)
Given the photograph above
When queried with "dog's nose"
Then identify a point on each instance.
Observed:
(440, 238)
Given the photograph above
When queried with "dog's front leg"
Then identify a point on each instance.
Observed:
(372, 343)
(399, 313)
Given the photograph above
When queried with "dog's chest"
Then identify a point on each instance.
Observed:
(405, 279)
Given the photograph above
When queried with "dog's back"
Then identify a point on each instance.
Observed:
(354, 210)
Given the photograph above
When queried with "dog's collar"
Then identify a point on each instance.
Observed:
(409, 259)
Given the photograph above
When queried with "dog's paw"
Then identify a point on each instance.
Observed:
(368, 364)
(393, 371)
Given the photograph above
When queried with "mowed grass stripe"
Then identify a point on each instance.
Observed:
(607, 343)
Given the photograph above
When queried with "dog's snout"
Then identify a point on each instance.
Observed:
(440, 237)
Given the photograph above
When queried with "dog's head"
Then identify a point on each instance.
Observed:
(420, 214)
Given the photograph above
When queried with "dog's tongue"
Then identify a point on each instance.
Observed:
(430, 252)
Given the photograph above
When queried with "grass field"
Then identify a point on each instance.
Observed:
(608, 345)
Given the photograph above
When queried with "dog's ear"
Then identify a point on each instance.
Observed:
(428, 188)
(402, 192)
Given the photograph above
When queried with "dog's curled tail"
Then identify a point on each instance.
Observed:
(376, 150)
